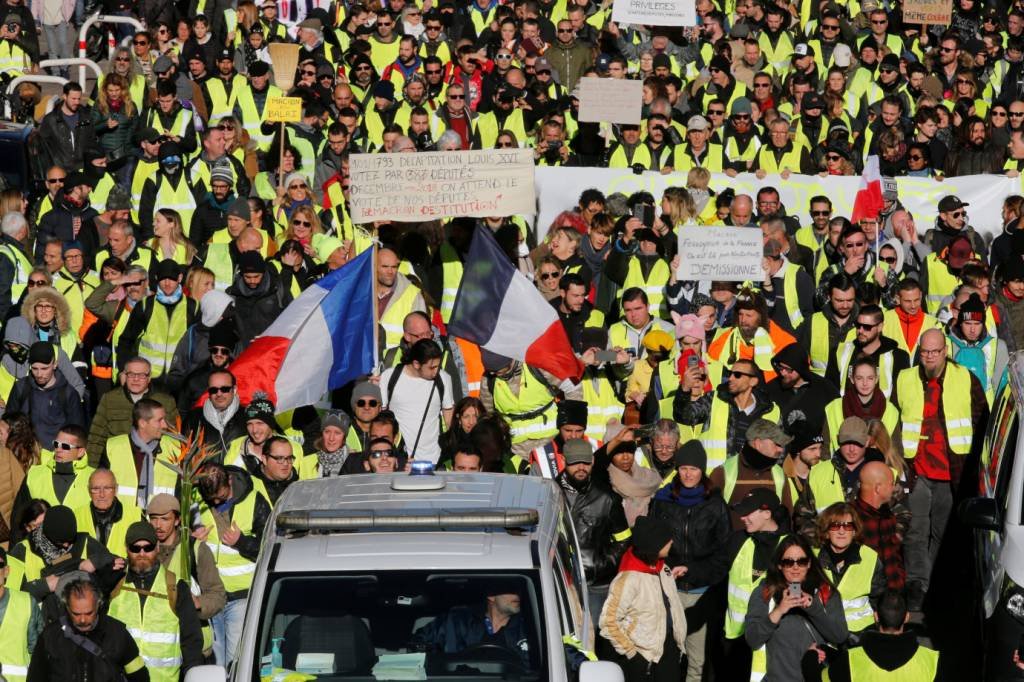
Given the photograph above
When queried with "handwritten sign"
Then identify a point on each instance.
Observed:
(430, 185)
(723, 254)
(927, 11)
(655, 12)
(610, 100)
(284, 109)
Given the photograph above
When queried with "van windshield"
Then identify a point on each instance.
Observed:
(410, 625)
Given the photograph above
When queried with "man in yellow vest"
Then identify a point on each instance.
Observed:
(906, 323)
(14, 262)
(169, 187)
(396, 296)
(941, 274)
(20, 625)
(135, 457)
(756, 466)
(889, 653)
(941, 404)
(833, 325)
(787, 288)
(105, 517)
(157, 607)
(835, 479)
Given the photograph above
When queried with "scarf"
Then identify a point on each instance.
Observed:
(42, 546)
(146, 475)
(755, 460)
(331, 462)
(684, 497)
(841, 559)
(874, 408)
(219, 420)
(630, 562)
(221, 206)
(168, 299)
(288, 210)
(635, 488)
(1010, 297)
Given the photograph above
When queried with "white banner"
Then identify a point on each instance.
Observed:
(559, 189)
(655, 12)
(723, 254)
(431, 185)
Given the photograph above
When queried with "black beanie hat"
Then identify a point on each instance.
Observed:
(571, 412)
(650, 535)
(691, 453)
(41, 351)
(59, 525)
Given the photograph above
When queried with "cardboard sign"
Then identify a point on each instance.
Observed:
(611, 100)
(724, 254)
(927, 11)
(284, 109)
(430, 185)
(655, 12)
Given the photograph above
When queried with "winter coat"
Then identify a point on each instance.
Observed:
(941, 235)
(699, 533)
(59, 224)
(1011, 319)
(633, 618)
(63, 146)
(11, 476)
(256, 309)
(569, 62)
(56, 659)
(48, 408)
(598, 516)
(116, 142)
(216, 441)
(114, 418)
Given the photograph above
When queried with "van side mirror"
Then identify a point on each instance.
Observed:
(594, 671)
(206, 673)
(981, 513)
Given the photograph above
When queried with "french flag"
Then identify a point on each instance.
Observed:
(321, 341)
(497, 308)
(869, 202)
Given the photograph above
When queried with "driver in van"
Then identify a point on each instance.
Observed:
(497, 623)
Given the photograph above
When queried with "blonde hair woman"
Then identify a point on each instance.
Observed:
(306, 229)
(12, 199)
(170, 241)
(677, 208)
(198, 281)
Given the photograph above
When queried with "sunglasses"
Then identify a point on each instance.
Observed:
(377, 454)
(214, 390)
(220, 350)
(434, 72)
(36, 283)
(326, 76)
(915, 157)
(122, 59)
(504, 145)
(61, 445)
(456, 97)
(503, 57)
(142, 548)
(385, 24)
(998, 113)
(841, 525)
(891, 260)
(958, 214)
(367, 403)
(964, 81)
(821, 213)
(550, 275)
(762, 85)
(565, 30)
(802, 562)
(716, 112)
(134, 42)
(851, 245)
(54, 181)
(830, 27)
(833, 157)
(362, 67)
(879, 22)
(302, 223)
(1016, 114)
(297, 186)
(739, 375)
(308, 73)
(869, 325)
(135, 284)
(433, 28)
(946, 50)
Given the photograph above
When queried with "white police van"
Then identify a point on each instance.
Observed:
(997, 516)
(380, 577)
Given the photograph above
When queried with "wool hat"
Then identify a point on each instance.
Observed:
(1013, 268)
(571, 412)
(140, 531)
(721, 63)
(890, 190)
(757, 499)
(222, 171)
(165, 269)
(691, 454)
(259, 69)
(650, 535)
(853, 430)
(223, 334)
(59, 524)
(162, 503)
(336, 418)
(260, 408)
(327, 245)
(73, 245)
(661, 59)
(577, 451)
(740, 106)
(41, 352)
(251, 262)
(78, 178)
(972, 310)
(239, 208)
(365, 389)
(804, 436)
(170, 149)
(385, 89)
(689, 325)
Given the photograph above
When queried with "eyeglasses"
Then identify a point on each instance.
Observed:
(54, 181)
(46, 306)
(503, 57)
(868, 325)
(61, 445)
(842, 525)
(136, 375)
(214, 390)
(142, 548)
(308, 73)
(802, 562)
(302, 223)
(298, 186)
(931, 351)
(220, 350)
(367, 403)
(37, 283)
(821, 213)
(565, 30)
(451, 96)
(282, 458)
(735, 374)
(377, 454)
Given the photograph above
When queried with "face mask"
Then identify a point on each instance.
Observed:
(18, 353)
(523, 250)
(170, 168)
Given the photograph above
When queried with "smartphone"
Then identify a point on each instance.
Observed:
(645, 214)
(795, 590)
(692, 361)
(606, 356)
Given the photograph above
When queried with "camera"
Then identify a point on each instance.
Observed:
(424, 143)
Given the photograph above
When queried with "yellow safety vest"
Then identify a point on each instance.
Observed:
(892, 328)
(75, 292)
(115, 541)
(941, 283)
(654, 285)
(844, 356)
(922, 666)
(734, 155)
(13, 59)
(790, 160)
(805, 237)
(154, 626)
(14, 654)
(98, 196)
(32, 568)
(178, 128)
(602, 405)
(641, 155)
(143, 171)
(742, 584)
(236, 572)
(218, 259)
(39, 482)
(956, 408)
(820, 351)
(22, 266)
(253, 118)
(534, 397)
(764, 347)
(122, 464)
(793, 312)
(731, 469)
(713, 437)
(223, 104)
(855, 587)
(179, 198)
(487, 127)
(162, 334)
(451, 277)
(393, 317)
(834, 418)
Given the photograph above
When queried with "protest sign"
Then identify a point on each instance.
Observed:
(723, 254)
(655, 12)
(431, 185)
(927, 11)
(610, 100)
(284, 109)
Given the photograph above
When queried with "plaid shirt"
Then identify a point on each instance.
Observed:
(883, 532)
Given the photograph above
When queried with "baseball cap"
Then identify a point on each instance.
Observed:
(162, 64)
(950, 202)
(577, 451)
(140, 530)
(698, 122)
(762, 428)
(853, 430)
(757, 499)
(162, 503)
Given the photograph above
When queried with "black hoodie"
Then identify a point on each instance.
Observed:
(810, 398)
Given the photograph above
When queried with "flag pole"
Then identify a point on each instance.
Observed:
(376, 309)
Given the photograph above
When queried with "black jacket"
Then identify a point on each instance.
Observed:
(810, 398)
(57, 659)
(256, 309)
(216, 441)
(699, 533)
(59, 224)
(63, 146)
(49, 409)
(601, 527)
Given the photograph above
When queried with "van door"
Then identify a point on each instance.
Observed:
(997, 460)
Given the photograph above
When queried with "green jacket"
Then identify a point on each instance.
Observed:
(114, 418)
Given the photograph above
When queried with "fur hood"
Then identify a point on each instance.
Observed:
(53, 296)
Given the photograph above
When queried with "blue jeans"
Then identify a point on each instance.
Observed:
(227, 630)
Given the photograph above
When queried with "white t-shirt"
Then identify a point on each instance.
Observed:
(408, 401)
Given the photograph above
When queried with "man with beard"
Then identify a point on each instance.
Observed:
(157, 608)
(740, 140)
(498, 623)
(756, 466)
(940, 402)
(549, 460)
(869, 341)
(755, 337)
(974, 153)
(574, 310)
(823, 333)
(797, 389)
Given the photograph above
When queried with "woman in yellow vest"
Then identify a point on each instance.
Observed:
(305, 228)
(169, 240)
(49, 316)
(266, 182)
(293, 194)
(852, 567)
(866, 401)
